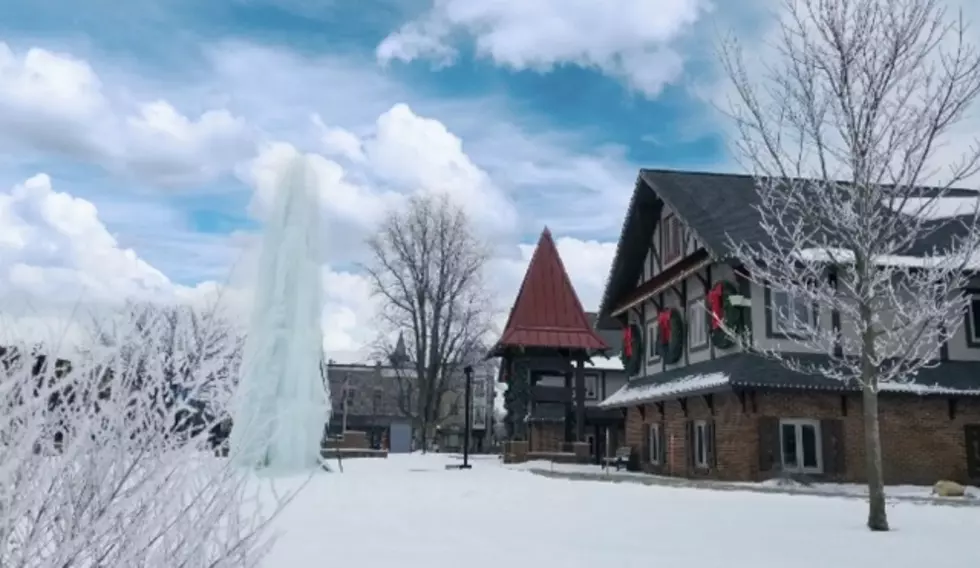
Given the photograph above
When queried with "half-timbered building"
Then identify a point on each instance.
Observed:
(698, 406)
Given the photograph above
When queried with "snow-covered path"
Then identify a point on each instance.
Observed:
(409, 511)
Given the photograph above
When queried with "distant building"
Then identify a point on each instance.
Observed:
(368, 398)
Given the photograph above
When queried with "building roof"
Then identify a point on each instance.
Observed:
(719, 208)
(547, 312)
(750, 371)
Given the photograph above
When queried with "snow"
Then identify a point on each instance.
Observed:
(919, 388)
(936, 262)
(605, 363)
(628, 394)
(940, 208)
(918, 492)
(408, 510)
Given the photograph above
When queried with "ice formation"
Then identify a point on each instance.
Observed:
(282, 403)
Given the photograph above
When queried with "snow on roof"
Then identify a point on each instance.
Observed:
(919, 388)
(940, 208)
(836, 255)
(605, 363)
(628, 395)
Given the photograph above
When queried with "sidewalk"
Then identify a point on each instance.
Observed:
(823, 490)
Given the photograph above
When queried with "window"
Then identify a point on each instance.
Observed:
(799, 441)
(479, 387)
(973, 322)
(655, 444)
(671, 239)
(652, 354)
(591, 387)
(480, 417)
(697, 324)
(350, 393)
(377, 400)
(790, 314)
(700, 444)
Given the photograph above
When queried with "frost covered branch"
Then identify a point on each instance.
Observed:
(106, 458)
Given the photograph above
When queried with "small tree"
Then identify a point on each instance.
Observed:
(93, 472)
(427, 269)
(842, 132)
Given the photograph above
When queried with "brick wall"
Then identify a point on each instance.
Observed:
(920, 443)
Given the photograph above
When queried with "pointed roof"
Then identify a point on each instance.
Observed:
(547, 311)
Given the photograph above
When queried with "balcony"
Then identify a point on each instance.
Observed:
(551, 394)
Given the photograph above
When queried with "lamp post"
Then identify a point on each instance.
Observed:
(467, 411)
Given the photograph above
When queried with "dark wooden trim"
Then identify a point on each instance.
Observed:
(643, 412)
(708, 283)
(663, 362)
(683, 403)
(660, 408)
(843, 405)
(755, 407)
(835, 316)
(951, 408)
(687, 324)
(709, 401)
(704, 281)
(767, 311)
(944, 346)
(741, 399)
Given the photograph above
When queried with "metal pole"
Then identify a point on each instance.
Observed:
(467, 406)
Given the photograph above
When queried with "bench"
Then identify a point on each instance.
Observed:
(620, 460)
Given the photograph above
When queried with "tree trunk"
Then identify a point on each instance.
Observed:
(877, 517)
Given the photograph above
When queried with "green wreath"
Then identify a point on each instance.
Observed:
(632, 353)
(670, 336)
(722, 311)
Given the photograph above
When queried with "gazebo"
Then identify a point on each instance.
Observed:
(547, 331)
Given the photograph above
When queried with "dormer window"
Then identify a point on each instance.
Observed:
(671, 239)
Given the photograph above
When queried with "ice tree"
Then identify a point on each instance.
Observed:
(847, 128)
(98, 468)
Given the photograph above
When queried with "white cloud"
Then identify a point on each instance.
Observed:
(54, 245)
(56, 103)
(587, 264)
(633, 40)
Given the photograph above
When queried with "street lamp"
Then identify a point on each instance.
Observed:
(467, 411)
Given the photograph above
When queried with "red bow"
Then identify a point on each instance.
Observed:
(716, 302)
(663, 319)
(628, 341)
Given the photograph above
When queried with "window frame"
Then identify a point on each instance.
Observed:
(671, 228)
(654, 445)
(652, 355)
(700, 440)
(693, 306)
(972, 325)
(595, 381)
(798, 424)
(775, 323)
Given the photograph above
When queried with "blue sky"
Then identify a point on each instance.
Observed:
(163, 114)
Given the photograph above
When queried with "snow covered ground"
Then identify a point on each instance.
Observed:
(410, 511)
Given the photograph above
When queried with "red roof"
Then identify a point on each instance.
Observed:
(547, 311)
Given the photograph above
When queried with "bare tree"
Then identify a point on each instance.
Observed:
(842, 133)
(427, 269)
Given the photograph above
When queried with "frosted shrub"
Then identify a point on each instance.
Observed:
(105, 460)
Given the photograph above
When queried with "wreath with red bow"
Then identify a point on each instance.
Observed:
(670, 335)
(723, 314)
(632, 355)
